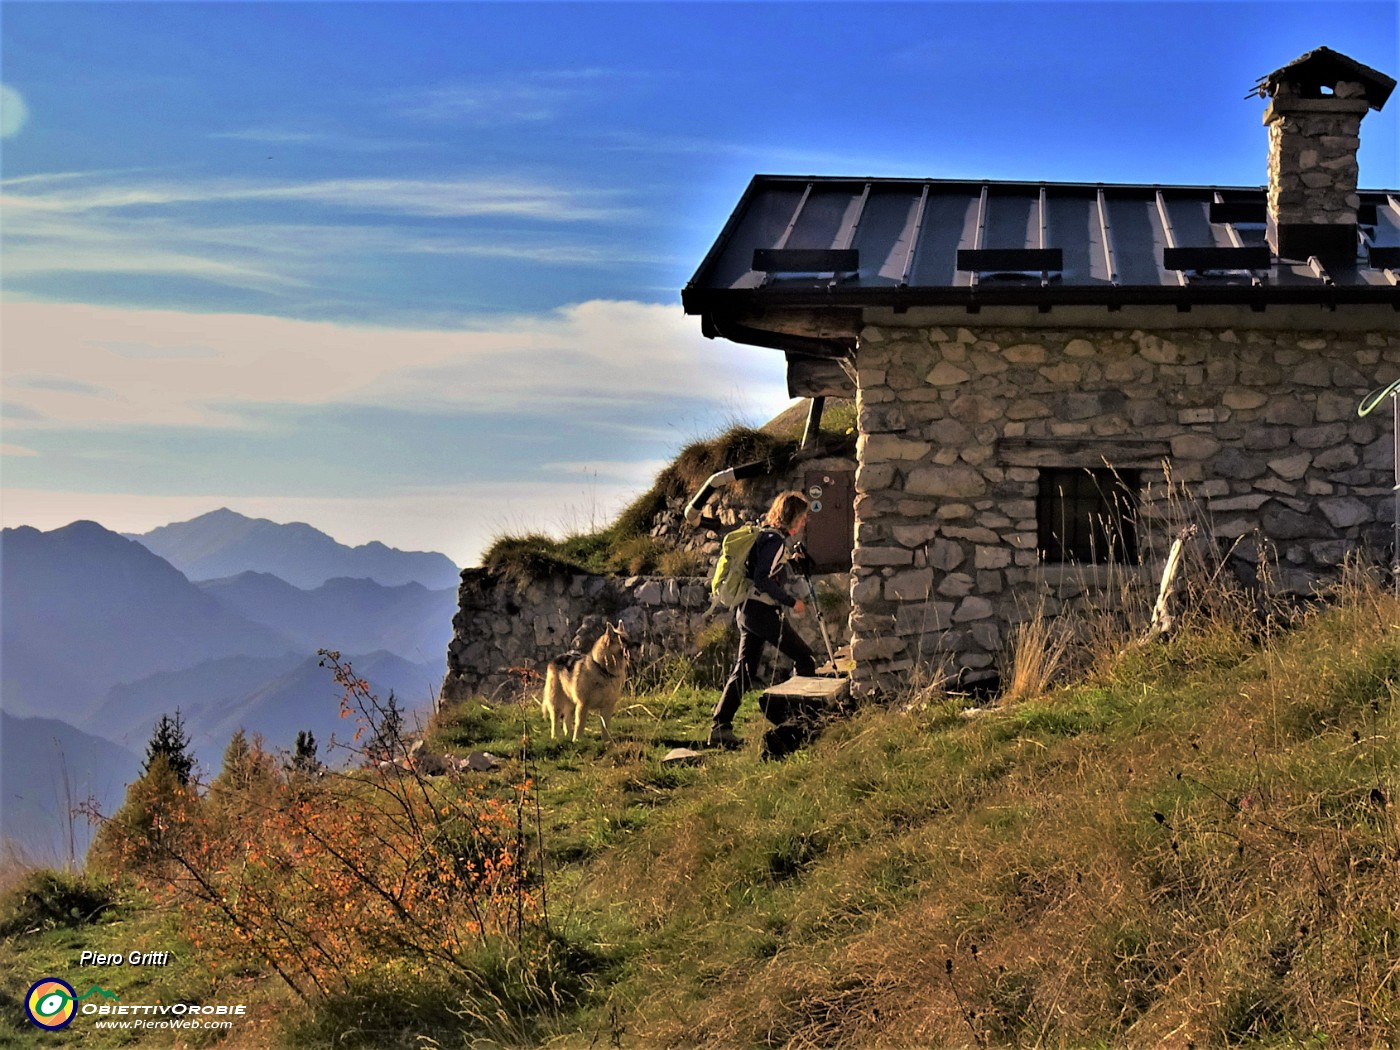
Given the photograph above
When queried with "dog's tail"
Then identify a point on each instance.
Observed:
(551, 679)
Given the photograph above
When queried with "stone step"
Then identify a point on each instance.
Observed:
(804, 698)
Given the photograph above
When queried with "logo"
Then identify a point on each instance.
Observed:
(51, 1004)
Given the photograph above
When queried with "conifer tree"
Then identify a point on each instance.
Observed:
(304, 760)
(247, 765)
(170, 742)
(159, 809)
(248, 780)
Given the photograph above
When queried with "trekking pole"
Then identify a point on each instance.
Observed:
(821, 621)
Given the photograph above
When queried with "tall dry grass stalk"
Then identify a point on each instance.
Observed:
(1038, 651)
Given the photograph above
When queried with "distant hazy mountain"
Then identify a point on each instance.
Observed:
(85, 609)
(46, 768)
(274, 697)
(100, 632)
(130, 710)
(308, 698)
(223, 543)
(351, 616)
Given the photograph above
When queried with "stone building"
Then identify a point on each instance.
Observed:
(1033, 362)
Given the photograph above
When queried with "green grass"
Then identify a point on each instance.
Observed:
(53, 947)
(1196, 841)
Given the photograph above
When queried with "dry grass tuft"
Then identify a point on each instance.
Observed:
(1038, 651)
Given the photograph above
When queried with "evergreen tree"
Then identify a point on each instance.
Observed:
(161, 805)
(169, 742)
(157, 817)
(248, 781)
(304, 760)
(246, 765)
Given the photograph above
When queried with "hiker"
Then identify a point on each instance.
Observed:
(763, 617)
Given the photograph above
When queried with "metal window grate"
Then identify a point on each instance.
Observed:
(1087, 516)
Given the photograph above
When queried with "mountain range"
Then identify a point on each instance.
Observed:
(100, 635)
(224, 543)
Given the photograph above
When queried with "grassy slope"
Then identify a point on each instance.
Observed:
(1201, 845)
(1197, 844)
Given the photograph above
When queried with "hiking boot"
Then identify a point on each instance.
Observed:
(723, 736)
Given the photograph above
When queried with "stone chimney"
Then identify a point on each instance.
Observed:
(1314, 120)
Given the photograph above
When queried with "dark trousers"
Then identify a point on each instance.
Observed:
(760, 624)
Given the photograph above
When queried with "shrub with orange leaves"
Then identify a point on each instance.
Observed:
(322, 879)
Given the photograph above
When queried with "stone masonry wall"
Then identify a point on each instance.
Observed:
(955, 425)
(502, 627)
(741, 502)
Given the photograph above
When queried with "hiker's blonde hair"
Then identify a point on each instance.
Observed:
(786, 509)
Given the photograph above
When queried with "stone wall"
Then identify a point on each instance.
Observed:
(503, 627)
(956, 424)
(743, 501)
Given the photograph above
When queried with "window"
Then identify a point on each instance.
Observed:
(1087, 516)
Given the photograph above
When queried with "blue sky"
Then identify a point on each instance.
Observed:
(411, 272)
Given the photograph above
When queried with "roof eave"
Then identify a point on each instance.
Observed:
(731, 302)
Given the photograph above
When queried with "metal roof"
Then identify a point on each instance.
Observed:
(852, 242)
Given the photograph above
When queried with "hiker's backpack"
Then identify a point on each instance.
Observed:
(732, 582)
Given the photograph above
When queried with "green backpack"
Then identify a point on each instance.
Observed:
(732, 582)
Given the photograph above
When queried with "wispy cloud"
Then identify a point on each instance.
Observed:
(290, 137)
(775, 156)
(277, 258)
(625, 470)
(428, 198)
(16, 450)
(288, 238)
(68, 386)
(218, 370)
(526, 98)
(140, 417)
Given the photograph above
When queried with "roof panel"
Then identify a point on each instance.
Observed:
(1191, 223)
(822, 217)
(1072, 222)
(885, 234)
(908, 233)
(950, 223)
(1013, 218)
(1138, 239)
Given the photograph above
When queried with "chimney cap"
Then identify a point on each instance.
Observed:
(1323, 67)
